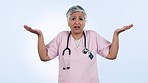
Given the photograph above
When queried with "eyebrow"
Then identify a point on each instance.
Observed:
(78, 16)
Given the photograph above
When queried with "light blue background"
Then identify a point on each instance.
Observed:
(18, 52)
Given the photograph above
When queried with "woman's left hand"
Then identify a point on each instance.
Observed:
(123, 29)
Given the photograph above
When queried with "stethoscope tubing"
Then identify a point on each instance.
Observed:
(85, 51)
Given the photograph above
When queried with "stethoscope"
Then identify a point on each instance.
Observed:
(85, 51)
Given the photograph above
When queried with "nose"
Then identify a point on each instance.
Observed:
(77, 22)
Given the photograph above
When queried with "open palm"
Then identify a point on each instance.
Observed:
(119, 30)
(35, 31)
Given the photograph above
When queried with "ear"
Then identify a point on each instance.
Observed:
(68, 24)
(84, 23)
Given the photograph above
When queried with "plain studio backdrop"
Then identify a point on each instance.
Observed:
(20, 62)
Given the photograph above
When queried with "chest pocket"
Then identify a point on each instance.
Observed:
(91, 58)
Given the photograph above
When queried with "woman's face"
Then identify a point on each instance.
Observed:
(77, 22)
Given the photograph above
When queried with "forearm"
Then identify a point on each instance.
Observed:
(114, 47)
(41, 45)
(42, 49)
(115, 42)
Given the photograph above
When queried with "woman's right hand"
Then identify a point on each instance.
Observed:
(41, 45)
(35, 31)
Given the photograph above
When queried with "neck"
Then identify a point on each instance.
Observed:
(77, 36)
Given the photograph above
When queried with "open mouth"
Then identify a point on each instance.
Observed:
(77, 27)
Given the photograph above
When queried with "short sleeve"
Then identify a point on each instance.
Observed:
(52, 47)
(103, 46)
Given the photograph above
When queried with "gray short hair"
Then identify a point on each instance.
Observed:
(74, 9)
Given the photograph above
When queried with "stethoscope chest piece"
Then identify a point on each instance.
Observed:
(85, 51)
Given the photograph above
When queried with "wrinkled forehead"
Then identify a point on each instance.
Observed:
(77, 14)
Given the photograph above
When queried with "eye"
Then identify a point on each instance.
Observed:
(81, 18)
(73, 18)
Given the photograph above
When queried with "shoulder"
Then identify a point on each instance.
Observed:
(91, 32)
(60, 36)
(63, 33)
(93, 35)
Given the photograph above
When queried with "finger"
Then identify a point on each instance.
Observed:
(127, 27)
(124, 28)
(131, 25)
(27, 28)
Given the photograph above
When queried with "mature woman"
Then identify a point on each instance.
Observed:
(77, 49)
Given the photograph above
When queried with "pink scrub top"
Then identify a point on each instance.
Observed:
(83, 69)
